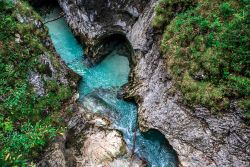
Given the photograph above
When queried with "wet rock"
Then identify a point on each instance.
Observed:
(89, 142)
(93, 103)
(100, 122)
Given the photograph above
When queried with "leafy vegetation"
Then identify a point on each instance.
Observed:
(27, 121)
(207, 48)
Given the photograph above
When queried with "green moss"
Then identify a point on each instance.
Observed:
(203, 93)
(25, 125)
(44, 69)
(52, 86)
(245, 103)
(209, 38)
(167, 9)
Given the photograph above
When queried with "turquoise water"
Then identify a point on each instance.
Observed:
(98, 93)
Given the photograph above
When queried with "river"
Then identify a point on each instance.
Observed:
(98, 91)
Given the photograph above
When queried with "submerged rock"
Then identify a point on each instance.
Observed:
(200, 138)
(95, 104)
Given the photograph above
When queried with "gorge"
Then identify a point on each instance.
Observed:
(199, 138)
(112, 98)
(98, 91)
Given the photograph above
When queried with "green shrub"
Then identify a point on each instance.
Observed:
(239, 86)
(226, 10)
(52, 86)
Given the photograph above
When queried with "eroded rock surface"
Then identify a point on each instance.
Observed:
(200, 138)
(89, 142)
(93, 19)
(103, 146)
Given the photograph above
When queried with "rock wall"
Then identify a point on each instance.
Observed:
(200, 138)
(93, 19)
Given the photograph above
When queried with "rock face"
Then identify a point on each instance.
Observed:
(89, 142)
(200, 138)
(94, 21)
